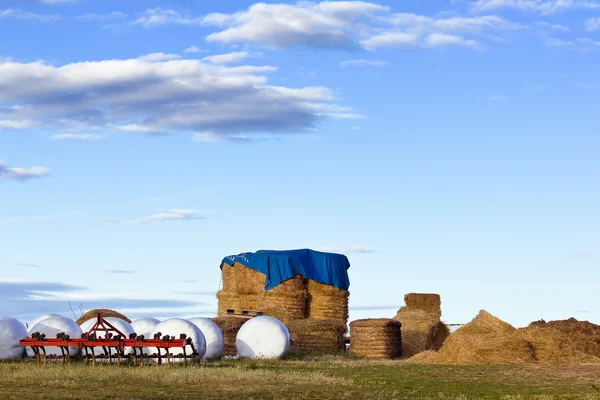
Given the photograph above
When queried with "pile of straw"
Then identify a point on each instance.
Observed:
(485, 340)
(317, 337)
(92, 314)
(327, 302)
(425, 357)
(427, 302)
(230, 327)
(376, 338)
(421, 331)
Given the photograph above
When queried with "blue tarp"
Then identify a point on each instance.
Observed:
(278, 266)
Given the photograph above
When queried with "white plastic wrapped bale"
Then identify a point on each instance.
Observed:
(123, 326)
(51, 327)
(144, 327)
(263, 337)
(11, 332)
(41, 318)
(213, 337)
(177, 326)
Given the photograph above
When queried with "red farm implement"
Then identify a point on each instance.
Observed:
(105, 342)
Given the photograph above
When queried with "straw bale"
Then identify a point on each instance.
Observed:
(326, 302)
(317, 337)
(105, 313)
(376, 338)
(421, 331)
(232, 300)
(425, 357)
(230, 327)
(278, 313)
(563, 342)
(486, 340)
(428, 302)
(294, 303)
(242, 280)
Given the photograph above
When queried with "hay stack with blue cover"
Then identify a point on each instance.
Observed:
(286, 283)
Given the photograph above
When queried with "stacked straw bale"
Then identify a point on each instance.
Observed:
(290, 295)
(421, 331)
(327, 302)
(376, 338)
(317, 337)
(230, 327)
(92, 314)
(428, 302)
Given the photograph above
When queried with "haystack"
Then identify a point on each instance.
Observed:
(421, 331)
(485, 340)
(235, 301)
(105, 313)
(317, 337)
(427, 302)
(563, 342)
(425, 357)
(327, 302)
(242, 280)
(230, 327)
(376, 338)
(290, 295)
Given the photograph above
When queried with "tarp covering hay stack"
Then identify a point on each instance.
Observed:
(376, 338)
(421, 331)
(317, 337)
(92, 314)
(230, 327)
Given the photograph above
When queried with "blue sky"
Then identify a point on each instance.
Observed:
(443, 146)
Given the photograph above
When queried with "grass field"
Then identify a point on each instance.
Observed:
(326, 378)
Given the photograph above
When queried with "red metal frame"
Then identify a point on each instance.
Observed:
(113, 339)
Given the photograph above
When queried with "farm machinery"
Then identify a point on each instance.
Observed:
(104, 342)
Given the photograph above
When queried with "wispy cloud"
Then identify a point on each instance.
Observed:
(193, 49)
(537, 6)
(173, 215)
(592, 24)
(348, 250)
(556, 27)
(29, 265)
(78, 137)
(363, 63)
(103, 17)
(158, 16)
(496, 97)
(22, 174)
(228, 58)
(120, 271)
(26, 15)
(554, 42)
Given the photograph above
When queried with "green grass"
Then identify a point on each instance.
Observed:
(324, 378)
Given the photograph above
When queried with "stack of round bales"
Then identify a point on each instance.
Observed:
(317, 337)
(230, 327)
(428, 302)
(376, 338)
(327, 302)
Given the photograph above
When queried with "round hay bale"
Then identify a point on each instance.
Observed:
(177, 326)
(485, 340)
(376, 338)
(326, 302)
(317, 337)
(41, 318)
(421, 331)
(230, 327)
(105, 313)
(213, 337)
(263, 338)
(51, 327)
(11, 333)
(428, 302)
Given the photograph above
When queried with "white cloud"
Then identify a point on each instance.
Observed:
(553, 42)
(172, 215)
(103, 17)
(82, 137)
(556, 27)
(158, 93)
(363, 63)
(22, 174)
(589, 86)
(592, 24)
(539, 6)
(228, 58)
(26, 15)
(390, 39)
(158, 16)
(193, 49)
(322, 25)
(348, 250)
(444, 39)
